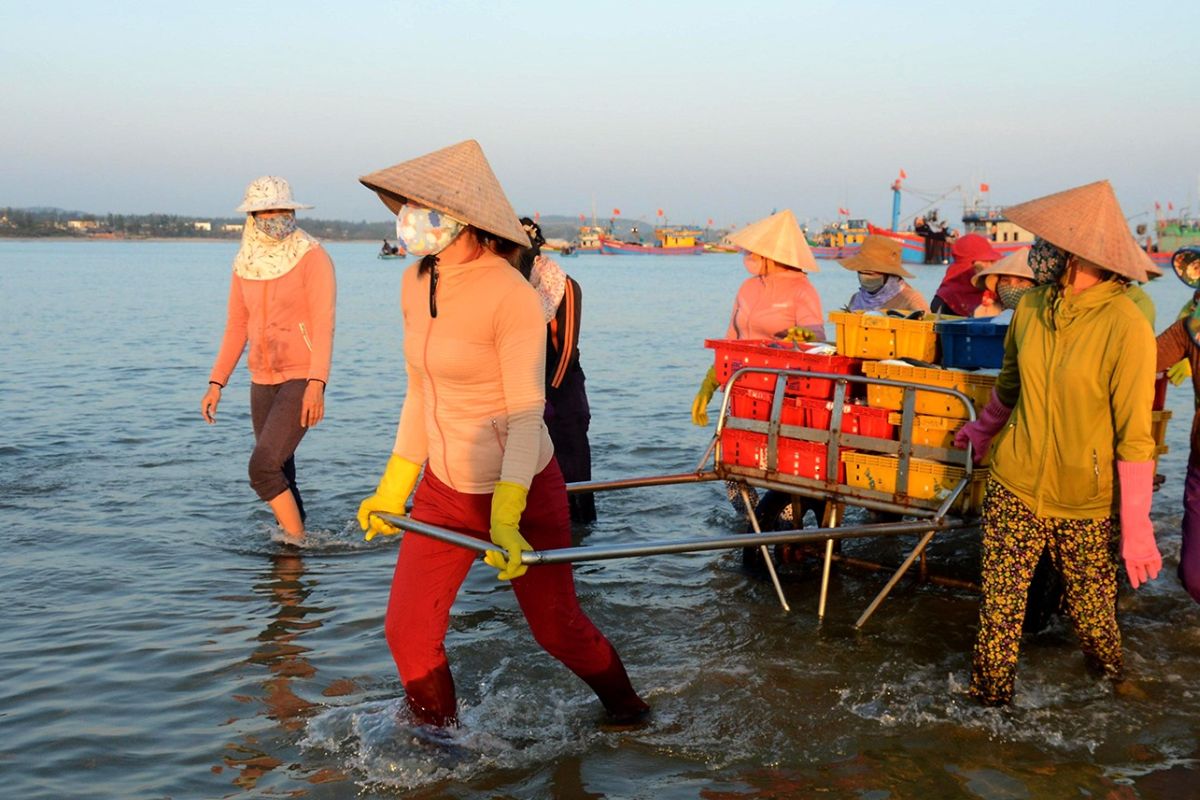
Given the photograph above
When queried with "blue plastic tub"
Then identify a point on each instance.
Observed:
(972, 344)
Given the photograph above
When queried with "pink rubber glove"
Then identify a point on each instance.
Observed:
(980, 432)
(1142, 559)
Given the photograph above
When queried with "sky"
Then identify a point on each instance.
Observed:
(707, 110)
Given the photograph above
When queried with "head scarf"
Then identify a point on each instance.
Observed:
(873, 301)
(263, 258)
(550, 282)
(1046, 261)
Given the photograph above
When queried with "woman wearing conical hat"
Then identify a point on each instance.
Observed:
(777, 299)
(1003, 283)
(281, 303)
(1072, 459)
(475, 355)
(881, 274)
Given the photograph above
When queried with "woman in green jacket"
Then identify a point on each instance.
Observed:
(1073, 449)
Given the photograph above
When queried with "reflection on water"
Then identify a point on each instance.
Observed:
(283, 659)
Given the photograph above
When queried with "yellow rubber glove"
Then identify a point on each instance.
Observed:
(798, 334)
(508, 501)
(1180, 371)
(700, 404)
(395, 486)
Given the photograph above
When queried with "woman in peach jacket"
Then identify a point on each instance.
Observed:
(281, 303)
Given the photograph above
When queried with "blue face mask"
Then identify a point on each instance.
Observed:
(278, 227)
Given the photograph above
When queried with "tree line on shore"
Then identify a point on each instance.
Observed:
(57, 222)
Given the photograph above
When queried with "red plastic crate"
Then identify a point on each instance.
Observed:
(856, 419)
(803, 459)
(807, 460)
(747, 403)
(733, 354)
(743, 448)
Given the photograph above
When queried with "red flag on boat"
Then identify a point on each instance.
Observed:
(581, 218)
(1157, 207)
(660, 212)
(1170, 206)
(903, 174)
(844, 211)
(983, 187)
(616, 212)
(537, 215)
(710, 222)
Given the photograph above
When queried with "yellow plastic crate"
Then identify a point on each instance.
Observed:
(931, 431)
(869, 336)
(975, 386)
(927, 480)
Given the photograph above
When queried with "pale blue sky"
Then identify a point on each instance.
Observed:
(704, 109)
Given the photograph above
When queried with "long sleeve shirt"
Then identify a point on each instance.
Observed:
(288, 323)
(476, 376)
(767, 305)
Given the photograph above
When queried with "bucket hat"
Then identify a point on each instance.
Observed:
(456, 180)
(779, 238)
(1015, 263)
(1088, 222)
(878, 254)
(268, 193)
(974, 247)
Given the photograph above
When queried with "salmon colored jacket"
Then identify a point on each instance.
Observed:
(1079, 375)
(476, 376)
(767, 305)
(288, 322)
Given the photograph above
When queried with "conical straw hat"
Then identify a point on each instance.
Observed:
(455, 180)
(878, 254)
(1015, 263)
(779, 238)
(1088, 222)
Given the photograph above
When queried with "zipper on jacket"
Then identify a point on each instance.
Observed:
(304, 333)
(433, 391)
(1037, 505)
(496, 430)
(1096, 471)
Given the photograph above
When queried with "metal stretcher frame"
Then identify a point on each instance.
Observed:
(933, 514)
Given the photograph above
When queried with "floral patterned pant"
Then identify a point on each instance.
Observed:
(1083, 551)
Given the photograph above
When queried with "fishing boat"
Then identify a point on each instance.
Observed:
(839, 239)
(588, 240)
(671, 242)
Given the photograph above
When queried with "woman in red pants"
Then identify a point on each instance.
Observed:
(475, 354)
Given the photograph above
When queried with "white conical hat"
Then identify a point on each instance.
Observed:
(779, 238)
(455, 180)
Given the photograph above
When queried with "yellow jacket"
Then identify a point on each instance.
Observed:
(1078, 372)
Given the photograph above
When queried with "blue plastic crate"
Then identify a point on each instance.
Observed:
(972, 344)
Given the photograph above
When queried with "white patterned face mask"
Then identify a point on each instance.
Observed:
(426, 232)
(277, 226)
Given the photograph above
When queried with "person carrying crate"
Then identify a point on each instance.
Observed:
(1073, 451)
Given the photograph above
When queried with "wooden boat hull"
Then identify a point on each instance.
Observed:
(612, 247)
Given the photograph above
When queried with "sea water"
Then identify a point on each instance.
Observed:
(160, 642)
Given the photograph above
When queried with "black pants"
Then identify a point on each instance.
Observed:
(568, 417)
(275, 413)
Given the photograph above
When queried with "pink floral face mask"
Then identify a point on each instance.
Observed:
(425, 231)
